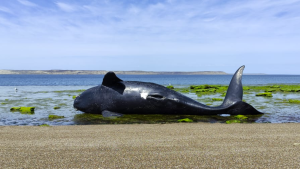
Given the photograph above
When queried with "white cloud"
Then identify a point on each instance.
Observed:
(4, 9)
(66, 7)
(134, 10)
(27, 3)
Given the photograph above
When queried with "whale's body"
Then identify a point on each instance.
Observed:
(115, 97)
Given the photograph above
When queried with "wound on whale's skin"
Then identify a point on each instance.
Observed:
(115, 97)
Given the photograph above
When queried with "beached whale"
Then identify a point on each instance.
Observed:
(115, 97)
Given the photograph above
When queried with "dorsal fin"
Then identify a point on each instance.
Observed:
(110, 79)
(235, 89)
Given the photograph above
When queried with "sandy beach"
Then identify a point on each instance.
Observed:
(196, 145)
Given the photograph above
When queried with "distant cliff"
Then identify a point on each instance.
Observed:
(102, 72)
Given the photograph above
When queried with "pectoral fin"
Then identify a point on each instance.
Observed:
(110, 114)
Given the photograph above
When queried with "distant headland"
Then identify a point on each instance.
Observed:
(102, 72)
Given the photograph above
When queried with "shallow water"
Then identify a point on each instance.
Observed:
(45, 98)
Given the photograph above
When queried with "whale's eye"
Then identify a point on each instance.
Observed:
(155, 96)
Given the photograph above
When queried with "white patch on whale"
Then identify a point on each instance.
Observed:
(144, 95)
(132, 89)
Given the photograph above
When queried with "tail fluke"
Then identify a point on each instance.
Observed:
(235, 90)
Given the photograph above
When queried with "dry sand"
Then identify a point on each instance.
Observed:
(197, 145)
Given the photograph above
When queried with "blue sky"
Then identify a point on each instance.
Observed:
(151, 35)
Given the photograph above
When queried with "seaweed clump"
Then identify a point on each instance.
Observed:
(238, 119)
(170, 87)
(185, 120)
(23, 110)
(208, 89)
(294, 101)
(44, 125)
(264, 94)
(217, 99)
(52, 117)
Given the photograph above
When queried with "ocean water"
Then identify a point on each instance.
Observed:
(47, 91)
(179, 80)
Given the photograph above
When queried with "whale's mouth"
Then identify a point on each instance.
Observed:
(86, 106)
(79, 105)
(85, 102)
(76, 104)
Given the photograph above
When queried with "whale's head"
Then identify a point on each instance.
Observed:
(86, 101)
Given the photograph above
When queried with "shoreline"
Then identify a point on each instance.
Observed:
(196, 145)
(103, 72)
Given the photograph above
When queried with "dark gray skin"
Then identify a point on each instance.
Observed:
(116, 97)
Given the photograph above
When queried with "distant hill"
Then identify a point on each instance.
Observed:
(102, 72)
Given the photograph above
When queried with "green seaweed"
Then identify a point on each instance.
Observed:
(246, 88)
(208, 89)
(294, 101)
(184, 91)
(217, 99)
(44, 125)
(15, 108)
(223, 94)
(275, 86)
(170, 87)
(201, 90)
(27, 110)
(62, 104)
(205, 86)
(154, 119)
(52, 117)
(56, 107)
(264, 94)
(185, 120)
(23, 110)
(290, 88)
(240, 117)
(223, 88)
(270, 90)
(74, 97)
(212, 90)
(233, 121)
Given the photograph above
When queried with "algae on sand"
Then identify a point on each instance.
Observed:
(233, 121)
(240, 117)
(185, 120)
(44, 125)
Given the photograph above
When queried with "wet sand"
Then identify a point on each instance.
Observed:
(196, 145)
